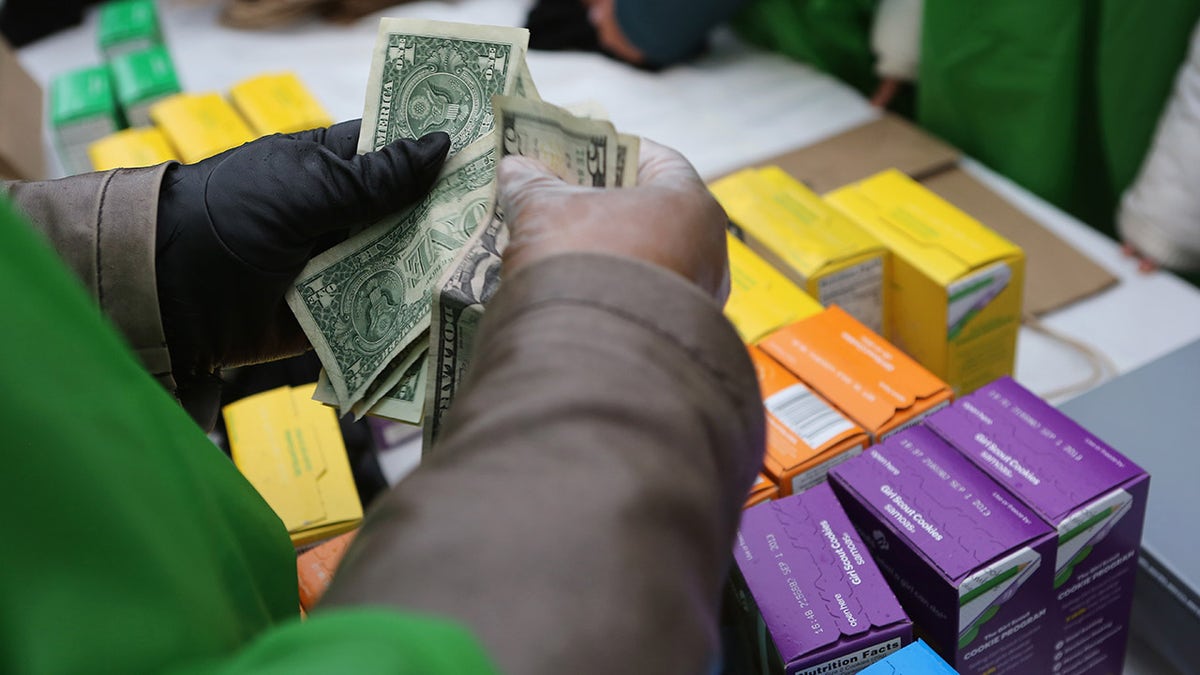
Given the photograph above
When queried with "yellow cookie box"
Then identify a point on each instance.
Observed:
(278, 103)
(761, 299)
(955, 284)
(811, 243)
(199, 126)
(131, 148)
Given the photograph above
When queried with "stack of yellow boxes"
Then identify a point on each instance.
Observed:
(897, 261)
(192, 127)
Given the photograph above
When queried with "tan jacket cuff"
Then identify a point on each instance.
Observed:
(103, 227)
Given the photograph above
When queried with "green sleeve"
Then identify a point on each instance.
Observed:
(134, 545)
(834, 37)
(355, 641)
(1062, 97)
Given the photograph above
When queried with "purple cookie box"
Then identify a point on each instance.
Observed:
(1041, 455)
(803, 569)
(1065, 474)
(933, 521)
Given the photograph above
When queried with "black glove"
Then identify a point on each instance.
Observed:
(235, 230)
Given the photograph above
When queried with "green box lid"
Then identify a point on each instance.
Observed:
(126, 20)
(81, 94)
(144, 74)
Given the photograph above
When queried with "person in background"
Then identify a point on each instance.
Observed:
(576, 515)
(1061, 97)
(871, 44)
(1159, 216)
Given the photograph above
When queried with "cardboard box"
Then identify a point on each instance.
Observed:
(763, 490)
(140, 78)
(761, 299)
(21, 156)
(808, 593)
(130, 148)
(316, 566)
(806, 436)
(859, 372)
(1094, 497)
(201, 125)
(969, 563)
(278, 104)
(127, 26)
(915, 659)
(82, 111)
(1056, 274)
(290, 449)
(955, 285)
(822, 252)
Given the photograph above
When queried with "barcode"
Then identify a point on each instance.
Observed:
(806, 415)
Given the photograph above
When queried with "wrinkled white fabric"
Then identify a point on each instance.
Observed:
(1160, 212)
(896, 38)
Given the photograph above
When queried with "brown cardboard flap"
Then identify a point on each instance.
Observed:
(1056, 273)
(21, 153)
(866, 150)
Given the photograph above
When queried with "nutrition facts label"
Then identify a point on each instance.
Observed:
(851, 663)
(858, 289)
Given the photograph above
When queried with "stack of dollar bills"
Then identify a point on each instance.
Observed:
(393, 310)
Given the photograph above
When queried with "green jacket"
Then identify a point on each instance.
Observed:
(133, 544)
(1062, 97)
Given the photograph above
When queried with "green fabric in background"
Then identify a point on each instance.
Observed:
(999, 80)
(1063, 97)
(133, 544)
(831, 35)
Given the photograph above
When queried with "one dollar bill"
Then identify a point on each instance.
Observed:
(431, 76)
(365, 300)
(425, 76)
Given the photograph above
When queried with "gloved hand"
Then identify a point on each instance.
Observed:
(670, 219)
(234, 230)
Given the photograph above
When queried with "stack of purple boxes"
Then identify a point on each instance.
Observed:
(1006, 531)
(1093, 497)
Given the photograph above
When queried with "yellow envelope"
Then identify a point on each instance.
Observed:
(290, 449)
